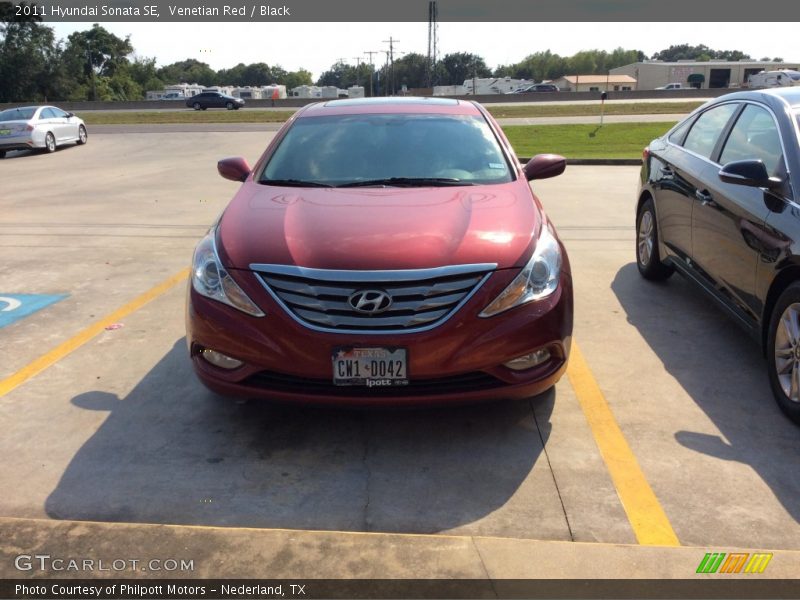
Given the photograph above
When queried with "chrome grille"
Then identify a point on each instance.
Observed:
(420, 298)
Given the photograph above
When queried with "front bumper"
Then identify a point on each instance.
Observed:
(459, 361)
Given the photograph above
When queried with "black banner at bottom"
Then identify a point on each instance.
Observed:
(250, 589)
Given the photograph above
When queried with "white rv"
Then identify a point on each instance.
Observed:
(767, 79)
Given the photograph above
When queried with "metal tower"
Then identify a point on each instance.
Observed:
(433, 38)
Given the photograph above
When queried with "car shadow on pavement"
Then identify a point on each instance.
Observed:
(173, 452)
(723, 370)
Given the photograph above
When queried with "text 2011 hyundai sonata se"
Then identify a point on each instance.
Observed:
(385, 251)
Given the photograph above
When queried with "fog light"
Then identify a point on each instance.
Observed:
(220, 360)
(528, 361)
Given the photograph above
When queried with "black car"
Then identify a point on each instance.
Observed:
(719, 202)
(206, 100)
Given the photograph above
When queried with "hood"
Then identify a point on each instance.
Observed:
(379, 228)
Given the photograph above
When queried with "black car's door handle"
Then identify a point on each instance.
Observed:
(704, 197)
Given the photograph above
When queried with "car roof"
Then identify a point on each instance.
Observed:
(782, 95)
(391, 105)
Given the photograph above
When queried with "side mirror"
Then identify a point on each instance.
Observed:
(235, 169)
(544, 166)
(751, 173)
(70, 115)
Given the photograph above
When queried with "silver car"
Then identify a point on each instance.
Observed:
(28, 127)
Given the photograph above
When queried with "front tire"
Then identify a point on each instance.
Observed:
(2, 153)
(50, 143)
(229, 105)
(196, 106)
(783, 352)
(648, 258)
(82, 135)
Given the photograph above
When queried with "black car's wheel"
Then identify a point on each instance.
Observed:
(82, 135)
(229, 105)
(2, 153)
(783, 351)
(196, 106)
(648, 258)
(50, 143)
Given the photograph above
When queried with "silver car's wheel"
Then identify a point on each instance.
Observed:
(787, 352)
(82, 135)
(50, 142)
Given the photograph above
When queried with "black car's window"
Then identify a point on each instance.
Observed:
(676, 137)
(705, 132)
(340, 150)
(754, 136)
(17, 114)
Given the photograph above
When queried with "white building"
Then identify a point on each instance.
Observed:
(595, 83)
(651, 74)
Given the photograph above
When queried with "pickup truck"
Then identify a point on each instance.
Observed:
(672, 86)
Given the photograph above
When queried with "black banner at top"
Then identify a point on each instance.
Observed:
(671, 12)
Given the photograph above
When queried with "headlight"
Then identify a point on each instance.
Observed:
(537, 280)
(210, 279)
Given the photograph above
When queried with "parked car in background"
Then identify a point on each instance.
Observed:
(383, 251)
(537, 87)
(173, 96)
(719, 202)
(205, 100)
(672, 86)
(45, 127)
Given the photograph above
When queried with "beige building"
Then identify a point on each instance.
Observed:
(595, 83)
(652, 74)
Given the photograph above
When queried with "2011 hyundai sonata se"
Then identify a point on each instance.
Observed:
(383, 251)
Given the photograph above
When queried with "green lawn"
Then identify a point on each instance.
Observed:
(616, 140)
(254, 115)
(578, 110)
(120, 117)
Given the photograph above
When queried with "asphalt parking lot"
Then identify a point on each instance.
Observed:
(104, 421)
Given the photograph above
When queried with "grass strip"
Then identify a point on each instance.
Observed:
(615, 140)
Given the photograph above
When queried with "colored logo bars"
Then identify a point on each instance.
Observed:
(742, 562)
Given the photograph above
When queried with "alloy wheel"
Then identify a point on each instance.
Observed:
(787, 352)
(645, 238)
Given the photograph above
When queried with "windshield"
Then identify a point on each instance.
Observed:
(417, 149)
(17, 114)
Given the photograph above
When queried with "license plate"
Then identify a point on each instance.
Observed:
(5, 131)
(370, 367)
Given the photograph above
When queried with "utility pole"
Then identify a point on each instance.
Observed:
(358, 69)
(433, 36)
(391, 41)
(371, 71)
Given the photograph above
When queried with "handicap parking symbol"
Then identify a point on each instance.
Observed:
(14, 307)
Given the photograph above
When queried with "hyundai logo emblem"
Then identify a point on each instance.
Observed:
(370, 302)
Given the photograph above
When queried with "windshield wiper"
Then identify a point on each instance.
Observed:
(293, 183)
(407, 182)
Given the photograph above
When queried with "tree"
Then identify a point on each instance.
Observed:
(296, 78)
(460, 66)
(30, 60)
(701, 52)
(188, 71)
(411, 70)
(340, 75)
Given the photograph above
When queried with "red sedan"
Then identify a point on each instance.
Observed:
(383, 251)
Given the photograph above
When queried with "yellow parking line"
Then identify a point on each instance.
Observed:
(78, 340)
(647, 518)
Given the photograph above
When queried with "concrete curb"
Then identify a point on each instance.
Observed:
(230, 552)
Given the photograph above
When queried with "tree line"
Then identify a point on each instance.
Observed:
(97, 65)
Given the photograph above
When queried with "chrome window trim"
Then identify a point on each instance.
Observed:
(368, 276)
(753, 102)
(372, 276)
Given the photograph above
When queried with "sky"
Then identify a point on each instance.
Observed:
(316, 46)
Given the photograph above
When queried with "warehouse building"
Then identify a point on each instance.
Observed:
(595, 83)
(651, 74)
